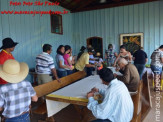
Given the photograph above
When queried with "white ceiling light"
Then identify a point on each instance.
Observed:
(102, 1)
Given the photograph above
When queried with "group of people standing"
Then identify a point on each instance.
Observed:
(45, 67)
(139, 59)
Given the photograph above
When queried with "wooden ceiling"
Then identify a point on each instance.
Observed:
(87, 5)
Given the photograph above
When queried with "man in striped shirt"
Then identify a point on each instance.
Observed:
(117, 105)
(45, 68)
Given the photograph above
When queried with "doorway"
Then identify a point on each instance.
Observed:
(97, 44)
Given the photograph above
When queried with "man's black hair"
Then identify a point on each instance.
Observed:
(161, 47)
(106, 75)
(91, 50)
(46, 47)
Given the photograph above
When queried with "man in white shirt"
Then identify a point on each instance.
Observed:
(117, 105)
(45, 68)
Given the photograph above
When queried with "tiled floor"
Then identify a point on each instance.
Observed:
(69, 114)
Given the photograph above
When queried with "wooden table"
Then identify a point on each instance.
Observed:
(72, 94)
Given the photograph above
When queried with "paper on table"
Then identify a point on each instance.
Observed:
(114, 71)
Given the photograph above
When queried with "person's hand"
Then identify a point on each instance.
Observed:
(115, 75)
(58, 80)
(90, 94)
(94, 90)
(70, 67)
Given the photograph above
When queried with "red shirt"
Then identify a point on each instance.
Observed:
(3, 57)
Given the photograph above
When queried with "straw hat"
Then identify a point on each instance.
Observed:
(13, 72)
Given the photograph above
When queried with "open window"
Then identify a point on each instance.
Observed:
(56, 24)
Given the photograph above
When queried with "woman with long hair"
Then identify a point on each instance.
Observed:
(123, 54)
(67, 60)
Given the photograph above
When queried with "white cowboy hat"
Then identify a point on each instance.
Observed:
(13, 72)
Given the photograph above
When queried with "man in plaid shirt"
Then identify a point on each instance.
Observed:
(15, 97)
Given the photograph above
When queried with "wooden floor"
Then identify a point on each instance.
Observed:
(69, 114)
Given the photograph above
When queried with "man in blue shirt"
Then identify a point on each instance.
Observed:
(117, 105)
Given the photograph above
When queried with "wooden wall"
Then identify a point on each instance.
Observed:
(110, 23)
(32, 31)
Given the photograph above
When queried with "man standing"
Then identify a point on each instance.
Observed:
(16, 96)
(45, 68)
(84, 62)
(8, 46)
(130, 75)
(140, 59)
(117, 105)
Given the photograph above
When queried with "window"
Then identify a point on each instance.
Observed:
(56, 24)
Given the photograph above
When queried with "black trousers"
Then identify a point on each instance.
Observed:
(89, 70)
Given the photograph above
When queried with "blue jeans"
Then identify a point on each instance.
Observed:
(22, 118)
(156, 70)
(101, 120)
(61, 73)
(140, 68)
(69, 72)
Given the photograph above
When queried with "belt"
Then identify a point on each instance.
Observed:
(17, 116)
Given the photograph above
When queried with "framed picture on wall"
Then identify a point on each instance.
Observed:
(132, 41)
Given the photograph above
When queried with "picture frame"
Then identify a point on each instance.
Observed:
(132, 41)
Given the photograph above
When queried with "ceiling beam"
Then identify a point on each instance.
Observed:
(84, 4)
(112, 5)
(61, 3)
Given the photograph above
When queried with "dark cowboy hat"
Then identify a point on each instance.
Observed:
(8, 43)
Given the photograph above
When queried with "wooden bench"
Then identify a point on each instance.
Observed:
(137, 104)
(146, 98)
(142, 100)
(52, 86)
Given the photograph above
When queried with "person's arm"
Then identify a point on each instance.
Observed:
(103, 110)
(115, 54)
(146, 60)
(1, 101)
(32, 92)
(130, 57)
(134, 55)
(64, 66)
(69, 61)
(105, 55)
(89, 65)
(125, 77)
(54, 72)
(162, 60)
(116, 60)
(34, 98)
(1, 109)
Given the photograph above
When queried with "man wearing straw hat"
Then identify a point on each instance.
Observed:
(16, 96)
(8, 46)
